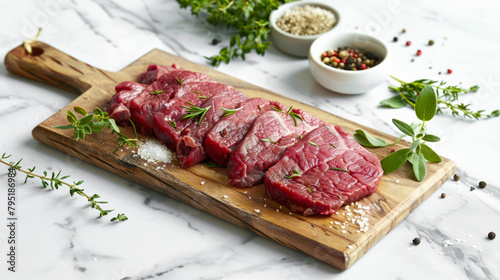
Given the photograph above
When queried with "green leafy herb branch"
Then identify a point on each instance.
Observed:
(248, 18)
(447, 98)
(418, 153)
(55, 180)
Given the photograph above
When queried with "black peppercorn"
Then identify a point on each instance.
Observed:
(215, 41)
(482, 184)
(395, 39)
(347, 67)
(350, 60)
(416, 241)
(491, 235)
(472, 188)
(431, 42)
(443, 195)
(456, 177)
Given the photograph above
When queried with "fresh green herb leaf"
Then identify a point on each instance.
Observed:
(156, 92)
(268, 140)
(339, 169)
(312, 143)
(426, 105)
(395, 160)
(309, 190)
(195, 113)
(223, 133)
(333, 146)
(276, 109)
(295, 173)
(367, 140)
(294, 115)
(429, 154)
(431, 138)
(174, 125)
(179, 81)
(80, 110)
(230, 111)
(419, 166)
(395, 102)
(403, 127)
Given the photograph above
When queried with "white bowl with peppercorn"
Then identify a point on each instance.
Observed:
(295, 25)
(348, 63)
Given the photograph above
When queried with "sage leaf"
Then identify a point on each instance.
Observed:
(99, 126)
(426, 105)
(429, 154)
(419, 166)
(86, 119)
(415, 144)
(395, 102)
(405, 128)
(367, 140)
(431, 138)
(395, 160)
(87, 129)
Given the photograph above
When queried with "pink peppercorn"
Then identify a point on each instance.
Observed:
(419, 52)
(355, 56)
(450, 71)
(362, 66)
(408, 43)
(325, 54)
(343, 60)
(393, 150)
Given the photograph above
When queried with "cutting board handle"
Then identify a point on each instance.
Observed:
(50, 66)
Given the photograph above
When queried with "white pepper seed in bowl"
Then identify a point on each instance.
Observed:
(306, 20)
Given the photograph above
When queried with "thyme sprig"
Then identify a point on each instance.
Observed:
(96, 122)
(56, 180)
(447, 97)
(195, 113)
(295, 173)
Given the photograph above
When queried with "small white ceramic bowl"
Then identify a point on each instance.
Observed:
(346, 81)
(297, 45)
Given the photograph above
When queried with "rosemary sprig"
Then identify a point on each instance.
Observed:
(295, 173)
(195, 113)
(312, 143)
(268, 140)
(96, 122)
(294, 115)
(339, 169)
(156, 92)
(55, 180)
(447, 96)
(230, 111)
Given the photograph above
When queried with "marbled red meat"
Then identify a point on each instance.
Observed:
(265, 143)
(190, 146)
(154, 72)
(119, 108)
(230, 131)
(328, 169)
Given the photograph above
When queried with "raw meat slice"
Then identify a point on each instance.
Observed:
(119, 105)
(168, 123)
(190, 148)
(265, 143)
(156, 71)
(157, 95)
(326, 169)
(230, 131)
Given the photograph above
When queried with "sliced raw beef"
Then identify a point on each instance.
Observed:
(168, 122)
(230, 131)
(120, 103)
(156, 71)
(146, 104)
(326, 169)
(190, 148)
(157, 95)
(265, 143)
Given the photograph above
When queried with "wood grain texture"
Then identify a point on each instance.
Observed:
(321, 237)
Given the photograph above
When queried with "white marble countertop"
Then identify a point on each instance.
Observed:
(59, 238)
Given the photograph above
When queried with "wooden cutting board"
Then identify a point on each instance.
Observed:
(335, 240)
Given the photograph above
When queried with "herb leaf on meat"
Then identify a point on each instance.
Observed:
(195, 113)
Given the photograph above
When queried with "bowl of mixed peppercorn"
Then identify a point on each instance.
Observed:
(295, 25)
(348, 63)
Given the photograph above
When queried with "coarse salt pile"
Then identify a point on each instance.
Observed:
(306, 20)
(153, 150)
